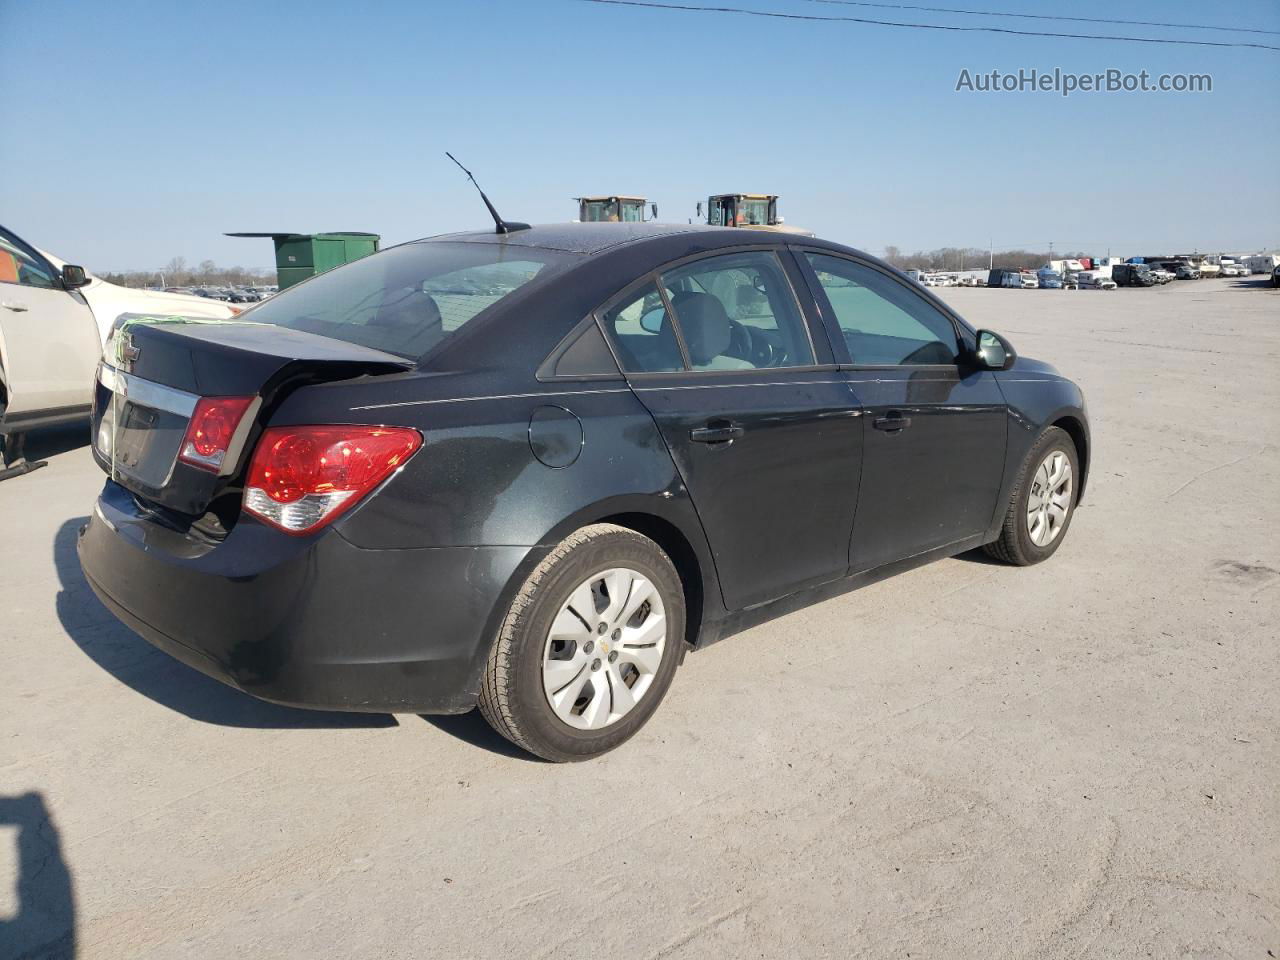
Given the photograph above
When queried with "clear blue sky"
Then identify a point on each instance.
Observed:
(132, 132)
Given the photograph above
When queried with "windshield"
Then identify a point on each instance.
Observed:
(409, 299)
(598, 211)
(632, 211)
(753, 213)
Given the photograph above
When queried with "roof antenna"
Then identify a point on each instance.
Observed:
(501, 226)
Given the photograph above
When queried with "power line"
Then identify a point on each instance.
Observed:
(923, 26)
(1045, 16)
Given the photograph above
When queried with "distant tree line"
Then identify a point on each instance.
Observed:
(177, 273)
(972, 258)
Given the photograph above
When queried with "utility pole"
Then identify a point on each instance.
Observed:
(991, 261)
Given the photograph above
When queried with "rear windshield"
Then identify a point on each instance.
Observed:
(411, 298)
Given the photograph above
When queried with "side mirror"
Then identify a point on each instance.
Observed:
(653, 208)
(651, 322)
(73, 277)
(994, 351)
(699, 209)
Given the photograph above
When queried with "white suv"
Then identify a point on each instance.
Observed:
(54, 319)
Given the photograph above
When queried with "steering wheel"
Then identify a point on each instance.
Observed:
(739, 341)
(770, 351)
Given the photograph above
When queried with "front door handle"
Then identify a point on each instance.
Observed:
(716, 432)
(892, 423)
(14, 305)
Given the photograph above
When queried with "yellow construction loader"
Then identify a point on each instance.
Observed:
(614, 209)
(756, 210)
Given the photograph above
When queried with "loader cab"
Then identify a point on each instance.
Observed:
(615, 210)
(742, 210)
(756, 210)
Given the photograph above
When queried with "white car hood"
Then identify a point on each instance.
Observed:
(108, 301)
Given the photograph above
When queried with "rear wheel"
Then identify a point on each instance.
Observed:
(1042, 503)
(588, 648)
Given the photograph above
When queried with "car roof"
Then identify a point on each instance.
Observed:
(592, 238)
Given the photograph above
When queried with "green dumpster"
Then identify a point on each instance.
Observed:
(302, 255)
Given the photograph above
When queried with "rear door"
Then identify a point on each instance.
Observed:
(49, 342)
(764, 430)
(935, 427)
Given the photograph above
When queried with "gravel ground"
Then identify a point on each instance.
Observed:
(1077, 759)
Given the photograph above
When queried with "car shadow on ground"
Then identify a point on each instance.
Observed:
(154, 674)
(1252, 283)
(472, 728)
(44, 923)
(42, 444)
(979, 555)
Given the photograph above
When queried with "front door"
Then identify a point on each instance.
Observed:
(935, 428)
(49, 345)
(767, 442)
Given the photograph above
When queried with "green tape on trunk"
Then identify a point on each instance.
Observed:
(123, 328)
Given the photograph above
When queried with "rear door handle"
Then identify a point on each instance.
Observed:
(14, 305)
(892, 423)
(717, 433)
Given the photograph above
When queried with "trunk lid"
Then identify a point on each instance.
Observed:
(154, 373)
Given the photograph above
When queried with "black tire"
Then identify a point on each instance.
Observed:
(1015, 545)
(511, 692)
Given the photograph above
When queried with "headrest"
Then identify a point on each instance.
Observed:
(409, 308)
(705, 325)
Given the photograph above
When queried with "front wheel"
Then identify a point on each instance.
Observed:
(588, 648)
(1042, 503)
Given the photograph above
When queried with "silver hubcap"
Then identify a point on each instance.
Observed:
(1049, 501)
(604, 648)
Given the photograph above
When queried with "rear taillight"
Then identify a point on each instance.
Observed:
(300, 478)
(213, 423)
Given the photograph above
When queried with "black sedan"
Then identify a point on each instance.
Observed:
(531, 470)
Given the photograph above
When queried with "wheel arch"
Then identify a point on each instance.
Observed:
(673, 525)
(1075, 429)
(684, 557)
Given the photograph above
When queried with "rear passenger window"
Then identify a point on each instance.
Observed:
(883, 321)
(738, 312)
(642, 333)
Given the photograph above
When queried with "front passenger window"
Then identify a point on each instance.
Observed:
(738, 312)
(884, 322)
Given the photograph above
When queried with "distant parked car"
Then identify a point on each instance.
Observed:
(1186, 271)
(1049, 279)
(1235, 270)
(243, 296)
(1263, 263)
(1160, 274)
(1089, 280)
(1004, 278)
(1275, 277)
(1133, 275)
(54, 319)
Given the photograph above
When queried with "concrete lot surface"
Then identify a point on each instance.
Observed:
(1078, 759)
